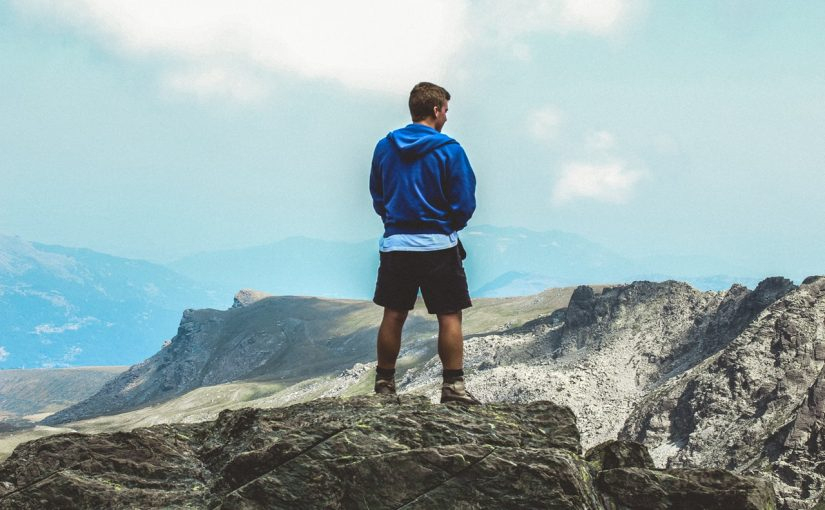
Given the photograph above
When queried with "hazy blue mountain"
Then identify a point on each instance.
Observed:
(70, 307)
(293, 266)
(302, 266)
(516, 283)
(559, 258)
(502, 261)
(46, 390)
(518, 262)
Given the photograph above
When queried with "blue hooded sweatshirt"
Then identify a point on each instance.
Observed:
(421, 182)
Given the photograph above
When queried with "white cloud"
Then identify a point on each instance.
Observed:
(4, 354)
(208, 44)
(71, 354)
(509, 20)
(49, 329)
(609, 182)
(543, 124)
(236, 50)
(599, 17)
(600, 141)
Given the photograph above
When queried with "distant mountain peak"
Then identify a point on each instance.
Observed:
(18, 256)
(246, 297)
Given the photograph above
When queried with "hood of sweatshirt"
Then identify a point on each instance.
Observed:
(416, 140)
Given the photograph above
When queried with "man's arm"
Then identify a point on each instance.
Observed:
(377, 188)
(461, 188)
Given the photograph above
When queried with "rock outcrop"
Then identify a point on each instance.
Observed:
(727, 380)
(246, 297)
(365, 452)
(755, 406)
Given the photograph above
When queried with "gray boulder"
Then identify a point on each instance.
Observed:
(682, 489)
(364, 452)
(619, 454)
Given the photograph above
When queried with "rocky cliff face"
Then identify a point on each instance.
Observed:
(290, 336)
(755, 406)
(365, 452)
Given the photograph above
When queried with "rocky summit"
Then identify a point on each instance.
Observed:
(363, 452)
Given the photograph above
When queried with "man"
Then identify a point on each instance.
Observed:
(423, 188)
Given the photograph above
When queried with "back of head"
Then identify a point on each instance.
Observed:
(424, 97)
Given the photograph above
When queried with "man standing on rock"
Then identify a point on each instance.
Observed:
(423, 188)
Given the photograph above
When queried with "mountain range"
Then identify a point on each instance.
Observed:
(71, 307)
(26, 396)
(76, 307)
(703, 379)
(302, 266)
(502, 261)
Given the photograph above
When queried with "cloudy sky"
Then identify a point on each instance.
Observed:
(157, 129)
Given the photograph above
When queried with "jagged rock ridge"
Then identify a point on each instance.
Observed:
(366, 452)
(755, 406)
(704, 379)
(606, 351)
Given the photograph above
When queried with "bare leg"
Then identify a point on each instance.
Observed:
(450, 341)
(389, 337)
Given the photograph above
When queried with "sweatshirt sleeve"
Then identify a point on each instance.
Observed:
(377, 187)
(461, 189)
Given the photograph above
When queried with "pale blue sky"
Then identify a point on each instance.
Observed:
(150, 131)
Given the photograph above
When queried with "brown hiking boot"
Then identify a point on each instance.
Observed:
(454, 391)
(384, 386)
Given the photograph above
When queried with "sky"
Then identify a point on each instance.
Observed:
(159, 129)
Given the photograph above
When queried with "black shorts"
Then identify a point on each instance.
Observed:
(439, 274)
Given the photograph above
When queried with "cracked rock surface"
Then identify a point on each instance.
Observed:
(364, 452)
